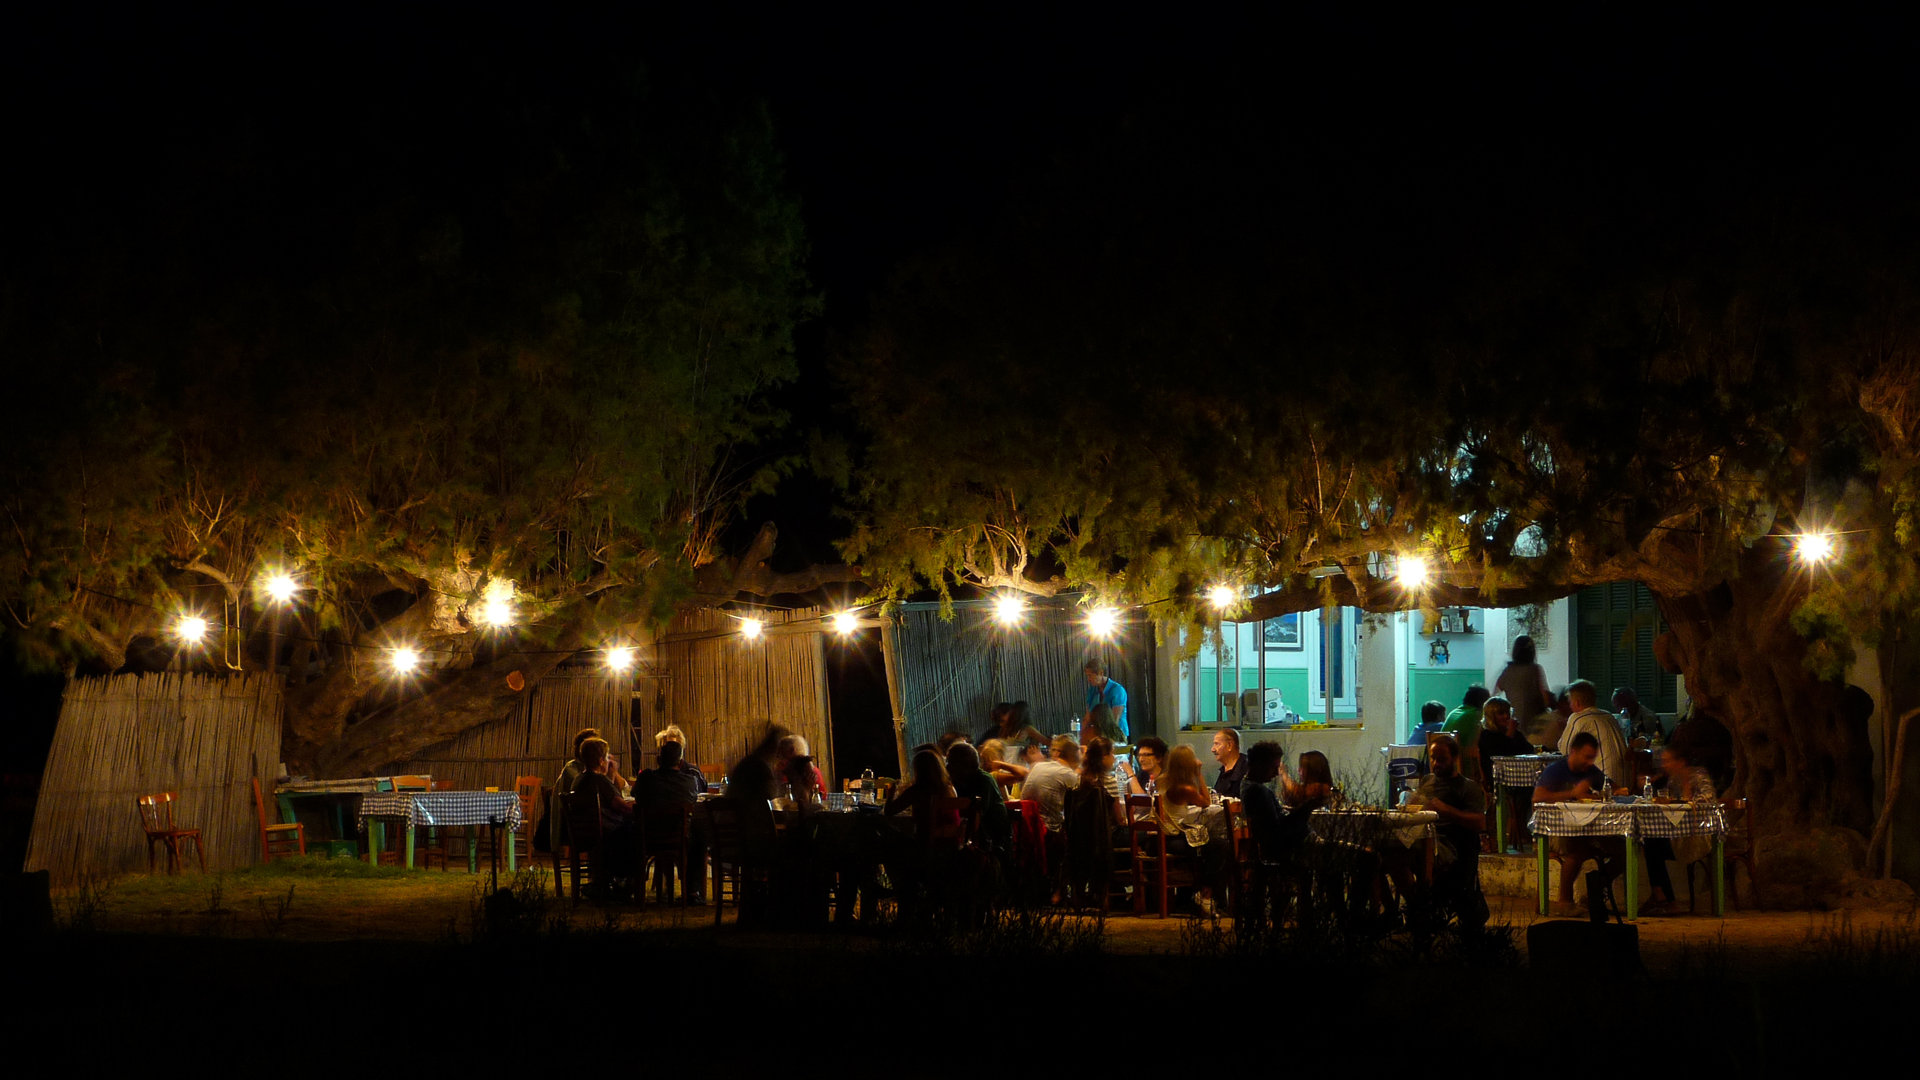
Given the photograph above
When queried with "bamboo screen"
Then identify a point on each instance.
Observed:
(204, 736)
(720, 688)
(952, 673)
(724, 690)
(536, 739)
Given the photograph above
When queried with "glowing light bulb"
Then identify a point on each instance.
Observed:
(1222, 596)
(620, 658)
(280, 588)
(846, 623)
(405, 661)
(192, 629)
(1007, 610)
(751, 628)
(1102, 622)
(497, 610)
(1814, 547)
(1413, 571)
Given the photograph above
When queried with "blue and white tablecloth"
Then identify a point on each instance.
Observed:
(1582, 819)
(1523, 771)
(438, 808)
(1674, 820)
(1410, 827)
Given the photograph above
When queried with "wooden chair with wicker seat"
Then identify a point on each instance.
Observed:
(666, 841)
(1160, 871)
(585, 841)
(529, 790)
(156, 817)
(1737, 849)
(277, 841)
(734, 852)
(1096, 870)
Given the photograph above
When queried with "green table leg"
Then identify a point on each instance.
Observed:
(376, 840)
(510, 867)
(1720, 878)
(409, 845)
(1500, 820)
(473, 853)
(1633, 879)
(1540, 849)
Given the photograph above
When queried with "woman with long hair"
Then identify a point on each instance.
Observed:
(930, 782)
(1524, 683)
(993, 759)
(1191, 823)
(1314, 786)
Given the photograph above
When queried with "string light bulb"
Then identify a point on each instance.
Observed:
(1814, 548)
(845, 623)
(750, 628)
(497, 610)
(192, 629)
(405, 660)
(620, 658)
(1414, 571)
(1102, 622)
(1008, 610)
(280, 587)
(1222, 596)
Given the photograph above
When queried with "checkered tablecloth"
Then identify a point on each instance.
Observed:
(1365, 826)
(436, 808)
(1582, 819)
(1522, 771)
(1674, 820)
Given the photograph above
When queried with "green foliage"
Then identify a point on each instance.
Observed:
(1183, 361)
(503, 331)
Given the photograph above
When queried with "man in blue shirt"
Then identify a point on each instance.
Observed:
(1571, 780)
(1104, 691)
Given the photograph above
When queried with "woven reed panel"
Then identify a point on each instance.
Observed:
(204, 736)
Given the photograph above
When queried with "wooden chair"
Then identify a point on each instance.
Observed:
(277, 840)
(585, 841)
(713, 774)
(732, 850)
(156, 817)
(1095, 869)
(1160, 872)
(529, 790)
(413, 783)
(956, 822)
(1738, 849)
(666, 839)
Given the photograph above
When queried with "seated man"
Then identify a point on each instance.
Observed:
(1461, 803)
(1260, 805)
(1433, 717)
(1503, 739)
(616, 813)
(1233, 764)
(1050, 780)
(670, 784)
(1614, 758)
(672, 734)
(1463, 724)
(1578, 778)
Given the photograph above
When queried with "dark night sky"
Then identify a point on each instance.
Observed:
(904, 130)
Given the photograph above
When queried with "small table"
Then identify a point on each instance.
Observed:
(336, 795)
(1632, 822)
(1369, 824)
(1522, 771)
(438, 808)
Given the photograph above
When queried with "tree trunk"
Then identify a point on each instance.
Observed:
(1805, 765)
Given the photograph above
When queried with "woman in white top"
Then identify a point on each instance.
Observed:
(1190, 820)
(1524, 683)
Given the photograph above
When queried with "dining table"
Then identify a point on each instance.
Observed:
(1519, 771)
(1634, 820)
(1369, 825)
(439, 809)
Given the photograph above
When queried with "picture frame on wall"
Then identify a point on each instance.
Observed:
(1283, 633)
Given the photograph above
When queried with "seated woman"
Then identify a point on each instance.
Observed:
(970, 780)
(1193, 825)
(1099, 725)
(1151, 753)
(1313, 787)
(1096, 823)
(930, 782)
(617, 840)
(1682, 781)
(993, 760)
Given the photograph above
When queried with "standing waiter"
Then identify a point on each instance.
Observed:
(1104, 691)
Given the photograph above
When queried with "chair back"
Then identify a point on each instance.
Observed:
(528, 788)
(713, 773)
(667, 824)
(443, 785)
(413, 783)
(1739, 817)
(582, 807)
(955, 821)
(156, 812)
(260, 806)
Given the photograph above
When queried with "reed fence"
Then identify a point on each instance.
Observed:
(120, 737)
(951, 674)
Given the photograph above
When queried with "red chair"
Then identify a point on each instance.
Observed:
(156, 817)
(277, 841)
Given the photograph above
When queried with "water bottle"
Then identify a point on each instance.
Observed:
(867, 786)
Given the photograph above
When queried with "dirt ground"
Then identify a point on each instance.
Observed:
(321, 901)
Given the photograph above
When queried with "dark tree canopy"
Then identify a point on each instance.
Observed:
(1202, 354)
(464, 324)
